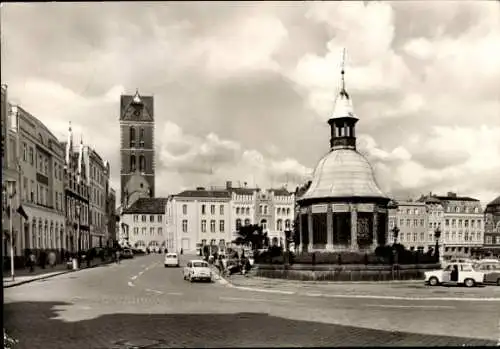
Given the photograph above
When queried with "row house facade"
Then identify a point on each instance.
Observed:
(197, 218)
(77, 191)
(412, 220)
(98, 179)
(144, 224)
(41, 174)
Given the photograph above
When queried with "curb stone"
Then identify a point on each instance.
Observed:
(51, 275)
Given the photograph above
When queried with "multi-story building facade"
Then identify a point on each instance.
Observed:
(98, 177)
(76, 197)
(463, 229)
(242, 207)
(282, 205)
(145, 222)
(111, 216)
(412, 221)
(492, 228)
(137, 171)
(41, 165)
(199, 217)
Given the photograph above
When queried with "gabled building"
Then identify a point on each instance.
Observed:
(492, 228)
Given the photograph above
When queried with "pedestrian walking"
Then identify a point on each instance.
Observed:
(52, 259)
(117, 256)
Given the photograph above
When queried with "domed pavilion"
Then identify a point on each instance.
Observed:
(344, 208)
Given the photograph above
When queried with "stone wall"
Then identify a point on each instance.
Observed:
(332, 272)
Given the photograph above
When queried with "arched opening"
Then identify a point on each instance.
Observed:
(132, 163)
(238, 224)
(132, 137)
(141, 138)
(142, 163)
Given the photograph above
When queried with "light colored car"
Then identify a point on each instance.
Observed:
(456, 273)
(197, 270)
(171, 259)
(491, 270)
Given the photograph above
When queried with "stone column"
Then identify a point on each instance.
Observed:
(310, 225)
(329, 228)
(300, 232)
(375, 229)
(354, 228)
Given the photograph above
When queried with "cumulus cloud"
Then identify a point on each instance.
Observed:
(243, 91)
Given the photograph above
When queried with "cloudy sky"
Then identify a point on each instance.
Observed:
(243, 91)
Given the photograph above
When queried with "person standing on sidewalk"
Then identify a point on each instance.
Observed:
(31, 262)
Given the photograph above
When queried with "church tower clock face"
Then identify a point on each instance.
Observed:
(137, 146)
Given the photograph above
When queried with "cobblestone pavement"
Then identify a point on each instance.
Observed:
(387, 289)
(141, 304)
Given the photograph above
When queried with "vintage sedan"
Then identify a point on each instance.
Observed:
(197, 270)
(491, 270)
(455, 274)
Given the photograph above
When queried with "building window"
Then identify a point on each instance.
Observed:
(142, 163)
(422, 222)
(238, 224)
(279, 225)
(132, 137)
(287, 224)
(152, 218)
(260, 209)
(248, 210)
(132, 163)
(203, 226)
(160, 231)
(401, 222)
(143, 218)
(489, 240)
(25, 152)
(415, 222)
(143, 231)
(203, 209)
(263, 223)
(237, 210)
(212, 226)
(184, 209)
(265, 209)
(31, 157)
(247, 222)
(151, 231)
(279, 210)
(159, 218)
(212, 209)
(221, 226)
(136, 231)
(221, 208)
(184, 225)
(141, 138)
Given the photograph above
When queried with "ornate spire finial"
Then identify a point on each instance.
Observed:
(342, 72)
(69, 126)
(137, 98)
(81, 139)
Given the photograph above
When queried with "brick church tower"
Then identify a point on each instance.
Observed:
(137, 171)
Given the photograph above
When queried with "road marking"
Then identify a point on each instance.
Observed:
(254, 299)
(155, 291)
(175, 293)
(263, 290)
(410, 306)
(131, 284)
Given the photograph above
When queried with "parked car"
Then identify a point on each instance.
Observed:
(197, 270)
(491, 270)
(456, 273)
(171, 259)
(127, 253)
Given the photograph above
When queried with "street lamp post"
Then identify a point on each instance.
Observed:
(437, 235)
(395, 232)
(11, 191)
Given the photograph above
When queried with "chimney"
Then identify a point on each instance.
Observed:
(229, 184)
(200, 188)
(452, 194)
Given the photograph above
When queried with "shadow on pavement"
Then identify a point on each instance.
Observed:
(34, 325)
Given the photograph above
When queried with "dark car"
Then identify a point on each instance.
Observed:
(491, 272)
(127, 254)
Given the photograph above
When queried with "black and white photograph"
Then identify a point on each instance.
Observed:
(209, 174)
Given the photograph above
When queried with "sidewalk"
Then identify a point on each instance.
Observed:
(23, 276)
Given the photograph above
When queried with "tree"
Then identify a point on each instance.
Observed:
(253, 234)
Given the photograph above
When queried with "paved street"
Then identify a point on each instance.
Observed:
(140, 303)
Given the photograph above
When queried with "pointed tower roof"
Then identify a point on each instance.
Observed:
(137, 98)
(343, 104)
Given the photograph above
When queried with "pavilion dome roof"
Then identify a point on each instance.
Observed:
(343, 173)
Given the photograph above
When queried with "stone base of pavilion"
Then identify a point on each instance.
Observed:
(353, 272)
